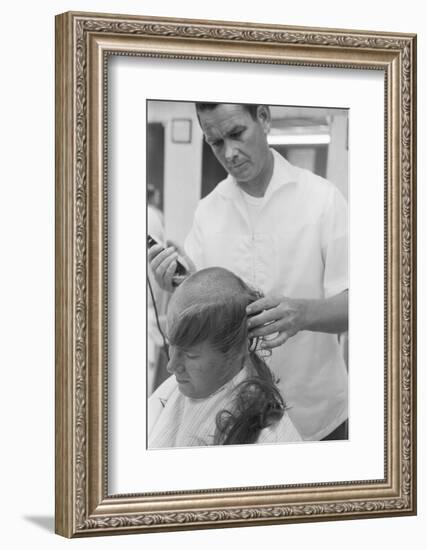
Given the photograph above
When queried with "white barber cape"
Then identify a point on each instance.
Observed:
(292, 242)
(178, 421)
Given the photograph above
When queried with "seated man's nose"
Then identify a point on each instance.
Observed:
(174, 366)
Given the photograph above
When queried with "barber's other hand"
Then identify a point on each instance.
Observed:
(275, 314)
(163, 264)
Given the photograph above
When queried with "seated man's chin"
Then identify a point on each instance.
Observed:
(183, 387)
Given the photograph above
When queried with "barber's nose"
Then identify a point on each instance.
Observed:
(230, 151)
(175, 363)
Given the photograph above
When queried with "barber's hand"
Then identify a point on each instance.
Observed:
(285, 317)
(163, 264)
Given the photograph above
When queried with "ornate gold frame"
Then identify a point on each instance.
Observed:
(83, 42)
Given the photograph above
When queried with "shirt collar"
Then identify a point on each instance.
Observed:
(283, 173)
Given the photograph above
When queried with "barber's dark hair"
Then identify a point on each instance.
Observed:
(252, 108)
(222, 322)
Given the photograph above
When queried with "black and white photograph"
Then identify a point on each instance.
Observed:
(247, 274)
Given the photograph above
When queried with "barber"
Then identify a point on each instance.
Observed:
(283, 230)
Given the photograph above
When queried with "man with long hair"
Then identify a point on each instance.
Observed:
(221, 392)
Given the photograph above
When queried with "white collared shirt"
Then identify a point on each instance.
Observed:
(297, 247)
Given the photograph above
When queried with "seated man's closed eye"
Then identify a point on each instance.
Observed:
(219, 392)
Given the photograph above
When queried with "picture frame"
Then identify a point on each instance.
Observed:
(181, 130)
(84, 42)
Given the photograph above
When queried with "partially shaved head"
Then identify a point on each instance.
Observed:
(210, 305)
(207, 330)
(210, 286)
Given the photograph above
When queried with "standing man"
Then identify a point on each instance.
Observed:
(284, 231)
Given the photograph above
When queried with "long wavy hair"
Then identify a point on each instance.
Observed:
(221, 320)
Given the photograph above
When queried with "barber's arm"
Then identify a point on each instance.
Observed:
(287, 316)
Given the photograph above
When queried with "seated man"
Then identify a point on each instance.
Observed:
(221, 392)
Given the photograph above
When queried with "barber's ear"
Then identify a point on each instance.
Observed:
(264, 117)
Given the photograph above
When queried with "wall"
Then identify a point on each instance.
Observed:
(182, 173)
(27, 275)
(338, 155)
